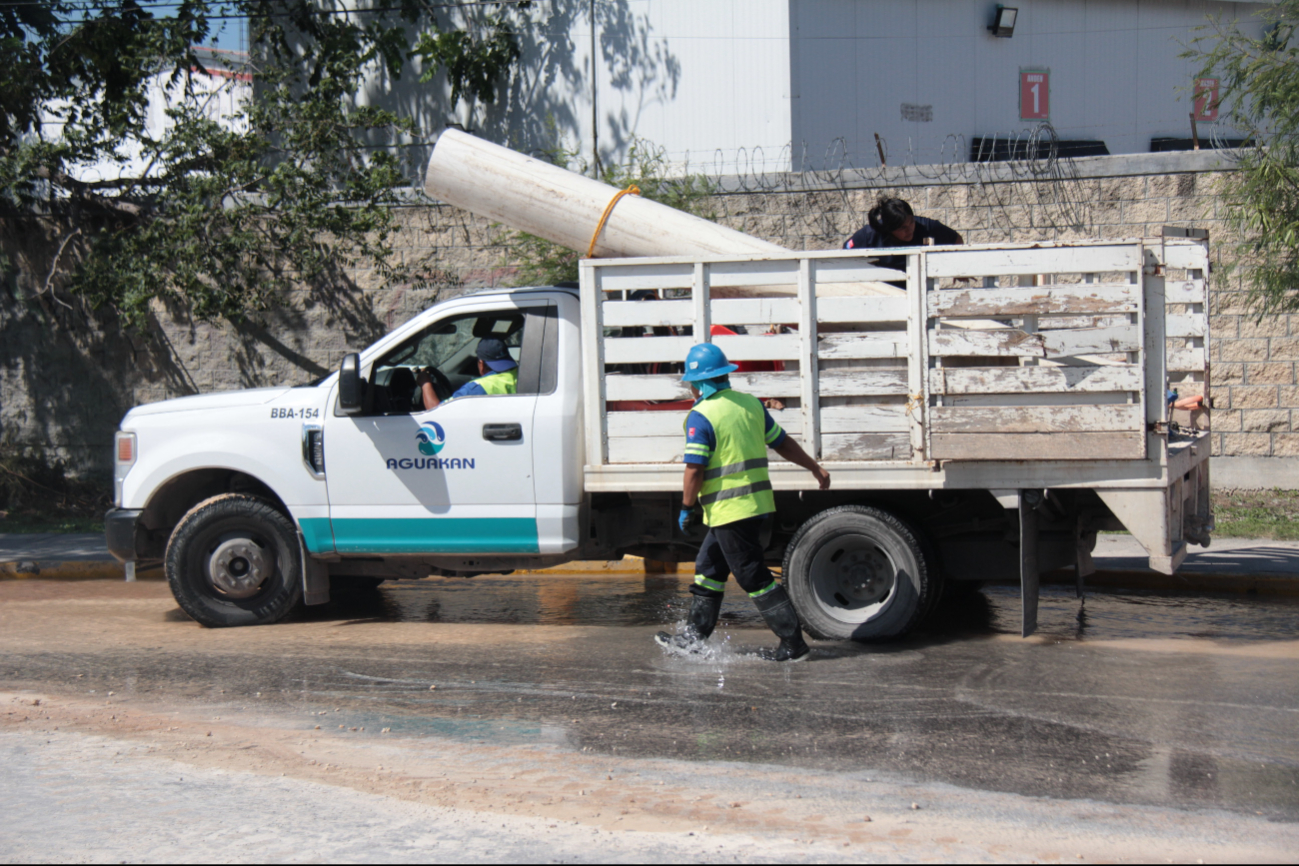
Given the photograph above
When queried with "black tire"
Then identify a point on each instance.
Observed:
(234, 560)
(880, 591)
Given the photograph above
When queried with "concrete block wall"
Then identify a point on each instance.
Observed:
(67, 378)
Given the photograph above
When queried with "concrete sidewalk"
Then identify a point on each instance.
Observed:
(1229, 565)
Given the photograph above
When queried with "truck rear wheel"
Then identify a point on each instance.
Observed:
(859, 573)
(234, 560)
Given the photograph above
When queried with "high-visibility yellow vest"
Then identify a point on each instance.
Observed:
(736, 483)
(500, 383)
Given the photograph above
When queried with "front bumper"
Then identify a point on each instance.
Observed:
(119, 532)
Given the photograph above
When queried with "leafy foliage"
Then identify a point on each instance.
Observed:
(473, 64)
(543, 263)
(39, 488)
(1260, 92)
(239, 197)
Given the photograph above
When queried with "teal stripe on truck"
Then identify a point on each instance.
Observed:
(425, 535)
(318, 535)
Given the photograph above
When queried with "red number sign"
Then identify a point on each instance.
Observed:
(1206, 99)
(1034, 95)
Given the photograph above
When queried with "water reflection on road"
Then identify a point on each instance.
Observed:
(642, 600)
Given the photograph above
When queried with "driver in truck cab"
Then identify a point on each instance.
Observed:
(727, 437)
(503, 377)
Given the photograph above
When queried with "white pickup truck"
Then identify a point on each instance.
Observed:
(984, 423)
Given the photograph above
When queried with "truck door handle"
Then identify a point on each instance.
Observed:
(502, 432)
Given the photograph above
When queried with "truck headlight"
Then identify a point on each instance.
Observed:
(124, 456)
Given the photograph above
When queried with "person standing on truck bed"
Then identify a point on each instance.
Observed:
(892, 223)
(493, 356)
(727, 436)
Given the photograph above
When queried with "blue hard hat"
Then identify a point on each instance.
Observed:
(706, 361)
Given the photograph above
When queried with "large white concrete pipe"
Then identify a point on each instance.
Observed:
(564, 207)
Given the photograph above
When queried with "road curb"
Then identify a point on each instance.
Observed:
(33, 570)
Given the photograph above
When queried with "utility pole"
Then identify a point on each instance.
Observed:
(595, 116)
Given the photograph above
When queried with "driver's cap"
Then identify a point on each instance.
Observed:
(493, 353)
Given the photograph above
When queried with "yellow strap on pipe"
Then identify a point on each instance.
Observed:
(604, 217)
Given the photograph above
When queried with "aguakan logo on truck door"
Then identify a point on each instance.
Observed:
(431, 439)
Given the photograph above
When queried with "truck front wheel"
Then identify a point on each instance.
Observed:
(234, 560)
(859, 573)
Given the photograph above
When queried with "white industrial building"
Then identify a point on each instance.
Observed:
(776, 85)
(220, 87)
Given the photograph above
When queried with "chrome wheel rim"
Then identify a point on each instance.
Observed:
(853, 578)
(239, 565)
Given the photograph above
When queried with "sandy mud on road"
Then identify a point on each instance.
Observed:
(369, 734)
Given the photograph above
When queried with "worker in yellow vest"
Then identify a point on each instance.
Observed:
(727, 437)
(498, 373)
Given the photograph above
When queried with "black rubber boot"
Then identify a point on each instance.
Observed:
(781, 617)
(704, 610)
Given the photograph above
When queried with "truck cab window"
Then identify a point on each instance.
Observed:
(447, 349)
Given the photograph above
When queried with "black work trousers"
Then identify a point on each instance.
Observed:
(733, 548)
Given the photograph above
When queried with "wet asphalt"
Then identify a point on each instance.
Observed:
(1165, 700)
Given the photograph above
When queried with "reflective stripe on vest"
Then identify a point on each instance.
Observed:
(736, 483)
(757, 463)
(500, 383)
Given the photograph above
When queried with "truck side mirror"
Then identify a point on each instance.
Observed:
(351, 387)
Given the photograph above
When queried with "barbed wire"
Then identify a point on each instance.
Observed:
(825, 194)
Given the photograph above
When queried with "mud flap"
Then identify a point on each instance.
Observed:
(1029, 576)
(315, 577)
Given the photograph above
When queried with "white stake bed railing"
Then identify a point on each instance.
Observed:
(1001, 367)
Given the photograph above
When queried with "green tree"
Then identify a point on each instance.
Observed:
(1259, 95)
(221, 213)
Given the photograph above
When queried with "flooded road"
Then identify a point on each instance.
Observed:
(1186, 702)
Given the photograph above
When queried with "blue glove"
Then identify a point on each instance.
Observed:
(683, 519)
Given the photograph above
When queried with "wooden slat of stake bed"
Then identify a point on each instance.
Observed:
(890, 418)
(1047, 260)
(754, 273)
(650, 349)
(623, 387)
(867, 418)
(1179, 325)
(888, 344)
(1186, 360)
(865, 446)
(834, 383)
(1083, 299)
(1188, 292)
(830, 271)
(660, 276)
(1037, 446)
(645, 350)
(653, 423)
(1036, 419)
(1186, 256)
(1012, 342)
(853, 383)
(762, 347)
(1025, 380)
